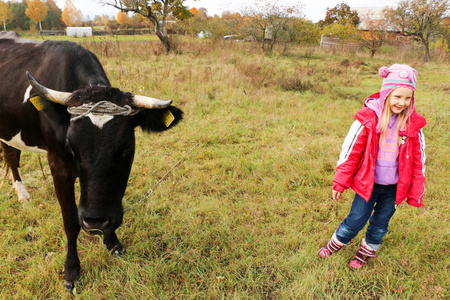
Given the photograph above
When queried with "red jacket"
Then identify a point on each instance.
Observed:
(356, 165)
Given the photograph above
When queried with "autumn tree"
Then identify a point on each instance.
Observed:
(194, 11)
(340, 21)
(5, 13)
(375, 32)
(101, 20)
(447, 32)
(423, 19)
(342, 14)
(157, 11)
(232, 22)
(71, 16)
(122, 18)
(195, 24)
(304, 31)
(37, 11)
(268, 20)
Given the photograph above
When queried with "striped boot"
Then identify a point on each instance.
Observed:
(333, 246)
(362, 256)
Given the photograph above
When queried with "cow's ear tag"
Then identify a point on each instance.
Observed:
(38, 102)
(168, 118)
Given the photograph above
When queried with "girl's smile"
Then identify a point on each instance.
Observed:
(400, 99)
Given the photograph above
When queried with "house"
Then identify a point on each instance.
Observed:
(372, 19)
(368, 14)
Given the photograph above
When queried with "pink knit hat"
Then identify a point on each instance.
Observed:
(394, 77)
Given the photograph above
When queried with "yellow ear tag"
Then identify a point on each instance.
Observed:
(168, 118)
(38, 102)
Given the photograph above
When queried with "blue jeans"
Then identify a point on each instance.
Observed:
(382, 203)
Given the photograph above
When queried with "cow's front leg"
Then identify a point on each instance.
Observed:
(113, 244)
(64, 175)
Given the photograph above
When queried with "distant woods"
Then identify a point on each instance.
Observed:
(422, 22)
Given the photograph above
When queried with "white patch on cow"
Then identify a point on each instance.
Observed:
(99, 120)
(18, 143)
(27, 94)
(21, 191)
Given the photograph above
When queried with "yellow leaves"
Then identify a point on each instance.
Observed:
(37, 10)
(5, 12)
(71, 16)
(194, 11)
(122, 17)
(157, 6)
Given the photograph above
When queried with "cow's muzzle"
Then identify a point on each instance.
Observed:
(95, 225)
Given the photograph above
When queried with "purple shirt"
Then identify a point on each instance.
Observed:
(386, 166)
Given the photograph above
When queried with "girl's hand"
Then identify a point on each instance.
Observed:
(336, 196)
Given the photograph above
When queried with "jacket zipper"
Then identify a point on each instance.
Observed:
(407, 146)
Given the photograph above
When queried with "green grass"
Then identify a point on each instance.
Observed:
(242, 217)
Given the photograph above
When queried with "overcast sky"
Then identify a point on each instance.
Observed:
(314, 10)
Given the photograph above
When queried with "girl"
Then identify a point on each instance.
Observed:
(383, 161)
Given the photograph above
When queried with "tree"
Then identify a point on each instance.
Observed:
(71, 16)
(375, 32)
(122, 18)
(303, 31)
(447, 32)
(157, 12)
(421, 18)
(232, 22)
(195, 24)
(268, 20)
(19, 20)
(53, 19)
(36, 11)
(5, 13)
(194, 11)
(343, 30)
(341, 13)
(101, 20)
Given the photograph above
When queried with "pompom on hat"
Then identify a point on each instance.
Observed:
(394, 77)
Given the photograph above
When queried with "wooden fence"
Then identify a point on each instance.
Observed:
(338, 44)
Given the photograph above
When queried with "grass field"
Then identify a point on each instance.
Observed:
(243, 215)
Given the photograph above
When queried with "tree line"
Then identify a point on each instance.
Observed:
(267, 21)
(46, 15)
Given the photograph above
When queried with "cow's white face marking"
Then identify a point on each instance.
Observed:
(27, 94)
(18, 143)
(99, 120)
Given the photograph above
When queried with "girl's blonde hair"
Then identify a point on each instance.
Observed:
(386, 116)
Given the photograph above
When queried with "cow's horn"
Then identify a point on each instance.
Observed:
(52, 95)
(151, 103)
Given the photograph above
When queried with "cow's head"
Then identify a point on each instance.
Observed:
(101, 138)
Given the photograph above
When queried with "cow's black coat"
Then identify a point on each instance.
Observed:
(100, 157)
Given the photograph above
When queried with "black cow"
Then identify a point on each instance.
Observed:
(85, 126)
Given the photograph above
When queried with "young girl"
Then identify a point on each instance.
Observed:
(383, 161)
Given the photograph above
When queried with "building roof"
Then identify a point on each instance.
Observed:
(372, 13)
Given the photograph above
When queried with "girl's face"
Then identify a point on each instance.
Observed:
(400, 99)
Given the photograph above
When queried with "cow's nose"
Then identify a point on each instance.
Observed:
(95, 225)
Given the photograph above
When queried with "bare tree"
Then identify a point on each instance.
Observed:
(156, 11)
(421, 18)
(375, 32)
(267, 20)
